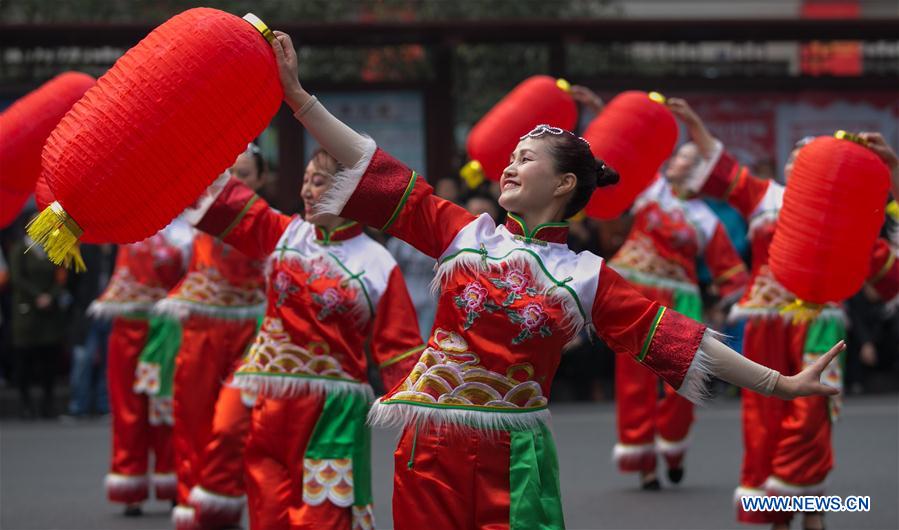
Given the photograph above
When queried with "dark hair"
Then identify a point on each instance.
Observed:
(258, 160)
(572, 154)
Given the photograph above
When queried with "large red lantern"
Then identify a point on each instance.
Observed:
(158, 127)
(833, 210)
(634, 134)
(24, 127)
(538, 99)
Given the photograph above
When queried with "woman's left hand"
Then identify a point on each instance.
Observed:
(808, 382)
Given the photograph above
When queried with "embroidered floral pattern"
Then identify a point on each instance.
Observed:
(332, 301)
(319, 268)
(532, 319)
(284, 287)
(473, 301)
(517, 283)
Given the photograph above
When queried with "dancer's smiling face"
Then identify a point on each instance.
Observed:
(531, 179)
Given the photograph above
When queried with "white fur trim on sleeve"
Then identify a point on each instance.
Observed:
(701, 172)
(345, 181)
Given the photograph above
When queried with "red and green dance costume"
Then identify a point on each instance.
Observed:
(328, 293)
(475, 449)
(659, 258)
(787, 444)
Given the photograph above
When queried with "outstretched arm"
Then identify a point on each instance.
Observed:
(683, 352)
(371, 186)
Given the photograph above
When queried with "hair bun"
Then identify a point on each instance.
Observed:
(605, 175)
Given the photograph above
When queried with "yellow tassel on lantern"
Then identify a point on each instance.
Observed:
(55, 231)
(802, 311)
(473, 174)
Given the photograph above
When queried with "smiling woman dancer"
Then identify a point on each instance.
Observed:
(475, 450)
(330, 289)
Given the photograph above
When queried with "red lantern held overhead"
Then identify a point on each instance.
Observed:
(538, 99)
(158, 127)
(832, 212)
(24, 128)
(634, 134)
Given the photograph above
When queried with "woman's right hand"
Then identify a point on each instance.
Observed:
(695, 127)
(288, 70)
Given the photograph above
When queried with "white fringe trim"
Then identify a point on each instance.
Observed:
(194, 214)
(743, 491)
(696, 386)
(631, 453)
(125, 483)
(669, 448)
(572, 323)
(213, 502)
(400, 414)
(286, 387)
(111, 310)
(775, 485)
(760, 220)
(180, 309)
(700, 174)
(164, 480)
(344, 182)
(738, 312)
(183, 516)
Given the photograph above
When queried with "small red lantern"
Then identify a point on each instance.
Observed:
(158, 127)
(25, 126)
(538, 99)
(634, 134)
(832, 212)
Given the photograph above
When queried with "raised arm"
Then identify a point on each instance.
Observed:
(877, 144)
(718, 174)
(371, 187)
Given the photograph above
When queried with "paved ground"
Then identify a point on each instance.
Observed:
(51, 473)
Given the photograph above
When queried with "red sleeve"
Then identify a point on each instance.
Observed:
(396, 200)
(728, 270)
(396, 341)
(662, 339)
(732, 182)
(242, 219)
(884, 277)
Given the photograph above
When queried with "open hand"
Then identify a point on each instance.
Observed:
(808, 382)
(288, 68)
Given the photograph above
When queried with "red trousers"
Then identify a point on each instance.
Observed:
(446, 481)
(132, 435)
(652, 417)
(787, 444)
(211, 421)
(648, 423)
(279, 434)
